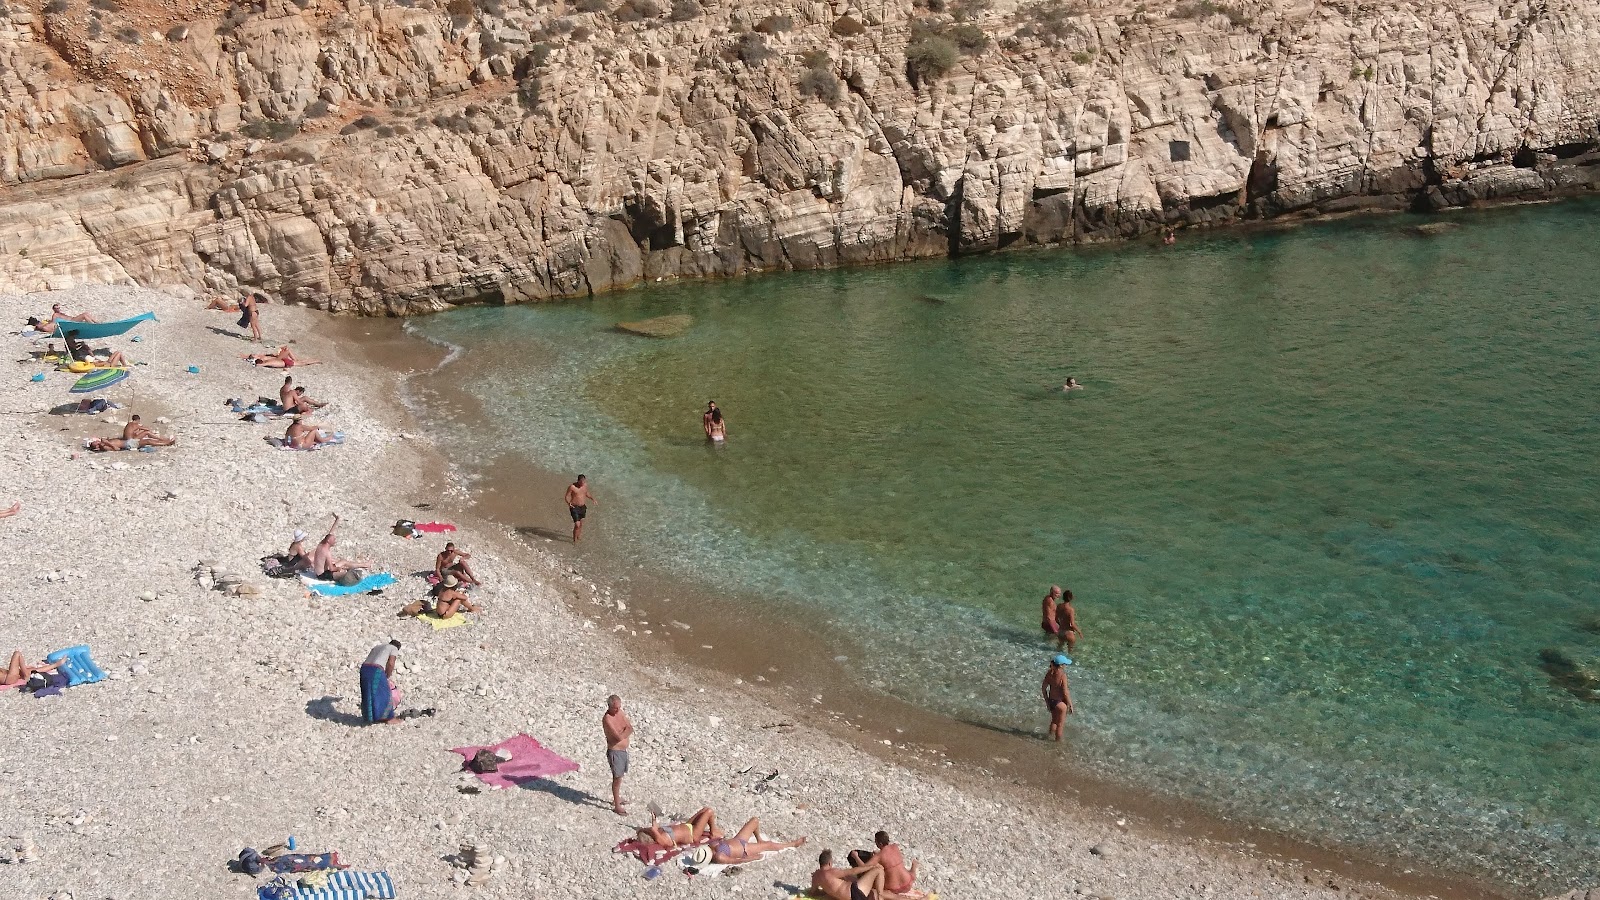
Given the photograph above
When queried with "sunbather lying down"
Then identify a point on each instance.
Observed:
(18, 672)
(746, 846)
(282, 358)
(104, 445)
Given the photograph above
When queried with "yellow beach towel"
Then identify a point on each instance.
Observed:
(440, 624)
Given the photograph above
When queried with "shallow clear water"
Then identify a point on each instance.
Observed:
(1324, 499)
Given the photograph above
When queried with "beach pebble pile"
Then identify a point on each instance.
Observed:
(232, 717)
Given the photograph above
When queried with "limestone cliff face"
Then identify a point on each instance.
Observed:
(397, 157)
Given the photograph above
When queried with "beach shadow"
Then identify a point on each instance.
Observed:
(788, 888)
(549, 534)
(228, 333)
(323, 708)
(1005, 729)
(562, 792)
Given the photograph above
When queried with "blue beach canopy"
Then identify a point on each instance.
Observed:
(85, 331)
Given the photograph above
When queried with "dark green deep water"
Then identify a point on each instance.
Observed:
(1326, 496)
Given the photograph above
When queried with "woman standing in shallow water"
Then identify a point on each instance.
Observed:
(717, 429)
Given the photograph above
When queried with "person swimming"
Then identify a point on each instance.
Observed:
(1072, 385)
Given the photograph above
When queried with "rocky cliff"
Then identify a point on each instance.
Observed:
(399, 155)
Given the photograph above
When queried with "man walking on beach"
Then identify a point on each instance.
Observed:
(1057, 697)
(578, 500)
(618, 731)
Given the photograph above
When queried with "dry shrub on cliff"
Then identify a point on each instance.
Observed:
(774, 25)
(317, 109)
(752, 49)
(637, 10)
(1050, 21)
(929, 55)
(818, 79)
(590, 6)
(460, 9)
(528, 91)
(685, 10)
(55, 7)
(966, 10)
(581, 33)
(848, 26)
(104, 5)
(1204, 9)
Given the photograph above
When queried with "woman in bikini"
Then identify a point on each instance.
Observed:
(283, 358)
(18, 672)
(701, 825)
(746, 846)
(718, 429)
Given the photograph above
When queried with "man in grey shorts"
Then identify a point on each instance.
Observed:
(618, 730)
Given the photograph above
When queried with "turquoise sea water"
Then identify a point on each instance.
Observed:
(1325, 498)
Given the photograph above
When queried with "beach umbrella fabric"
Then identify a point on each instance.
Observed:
(98, 380)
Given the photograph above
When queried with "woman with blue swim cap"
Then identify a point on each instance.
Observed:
(1057, 696)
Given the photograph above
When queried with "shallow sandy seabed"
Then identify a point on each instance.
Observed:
(216, 731)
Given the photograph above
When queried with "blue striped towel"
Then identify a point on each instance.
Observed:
(350, 886)
(369, 583)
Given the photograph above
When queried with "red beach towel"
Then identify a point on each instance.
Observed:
(433, 527)
(529, 760)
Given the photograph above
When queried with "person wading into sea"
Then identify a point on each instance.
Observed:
(1057, 697)
(618, 729)
(578, 500)
(705, 420)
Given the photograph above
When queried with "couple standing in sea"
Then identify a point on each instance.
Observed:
(1058, 618)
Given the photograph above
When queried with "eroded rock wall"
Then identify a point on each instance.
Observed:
(393, 158)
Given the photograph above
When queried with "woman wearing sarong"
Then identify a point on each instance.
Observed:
(377, 694)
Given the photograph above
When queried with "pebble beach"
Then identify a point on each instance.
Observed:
(231, 718)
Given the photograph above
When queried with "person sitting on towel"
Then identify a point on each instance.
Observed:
(453, 561)
(449, 599)
(303, 434)
(135, 431)
(896, 877)
(300, 403)
(746, 846)
(327, 566)
(296, 559)
(701, 826)
(102, 356)
(864, 882)
(18, 672)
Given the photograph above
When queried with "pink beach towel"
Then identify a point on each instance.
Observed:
(433, 527)
(529, 760)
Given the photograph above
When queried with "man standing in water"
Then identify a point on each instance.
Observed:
(1057, 697)
(705, 420)
(618, 729)
(578, 500)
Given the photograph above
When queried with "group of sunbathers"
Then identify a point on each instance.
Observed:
(135, 436)
(879, 874)
(320, 562)
(701, 833)
(452, 575)
(293, 401)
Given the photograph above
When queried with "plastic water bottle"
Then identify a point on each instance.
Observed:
(291, 843)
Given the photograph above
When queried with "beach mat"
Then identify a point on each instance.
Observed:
(370, 583)
(439, 624)
(529, 760)
(339, 886)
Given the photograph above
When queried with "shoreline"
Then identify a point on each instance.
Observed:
(227, 721)
(962, 752)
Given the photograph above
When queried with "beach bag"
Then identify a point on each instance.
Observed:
(348, 578)
(244, 318)
(403, 528)
(250, 862)
(484, 761)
